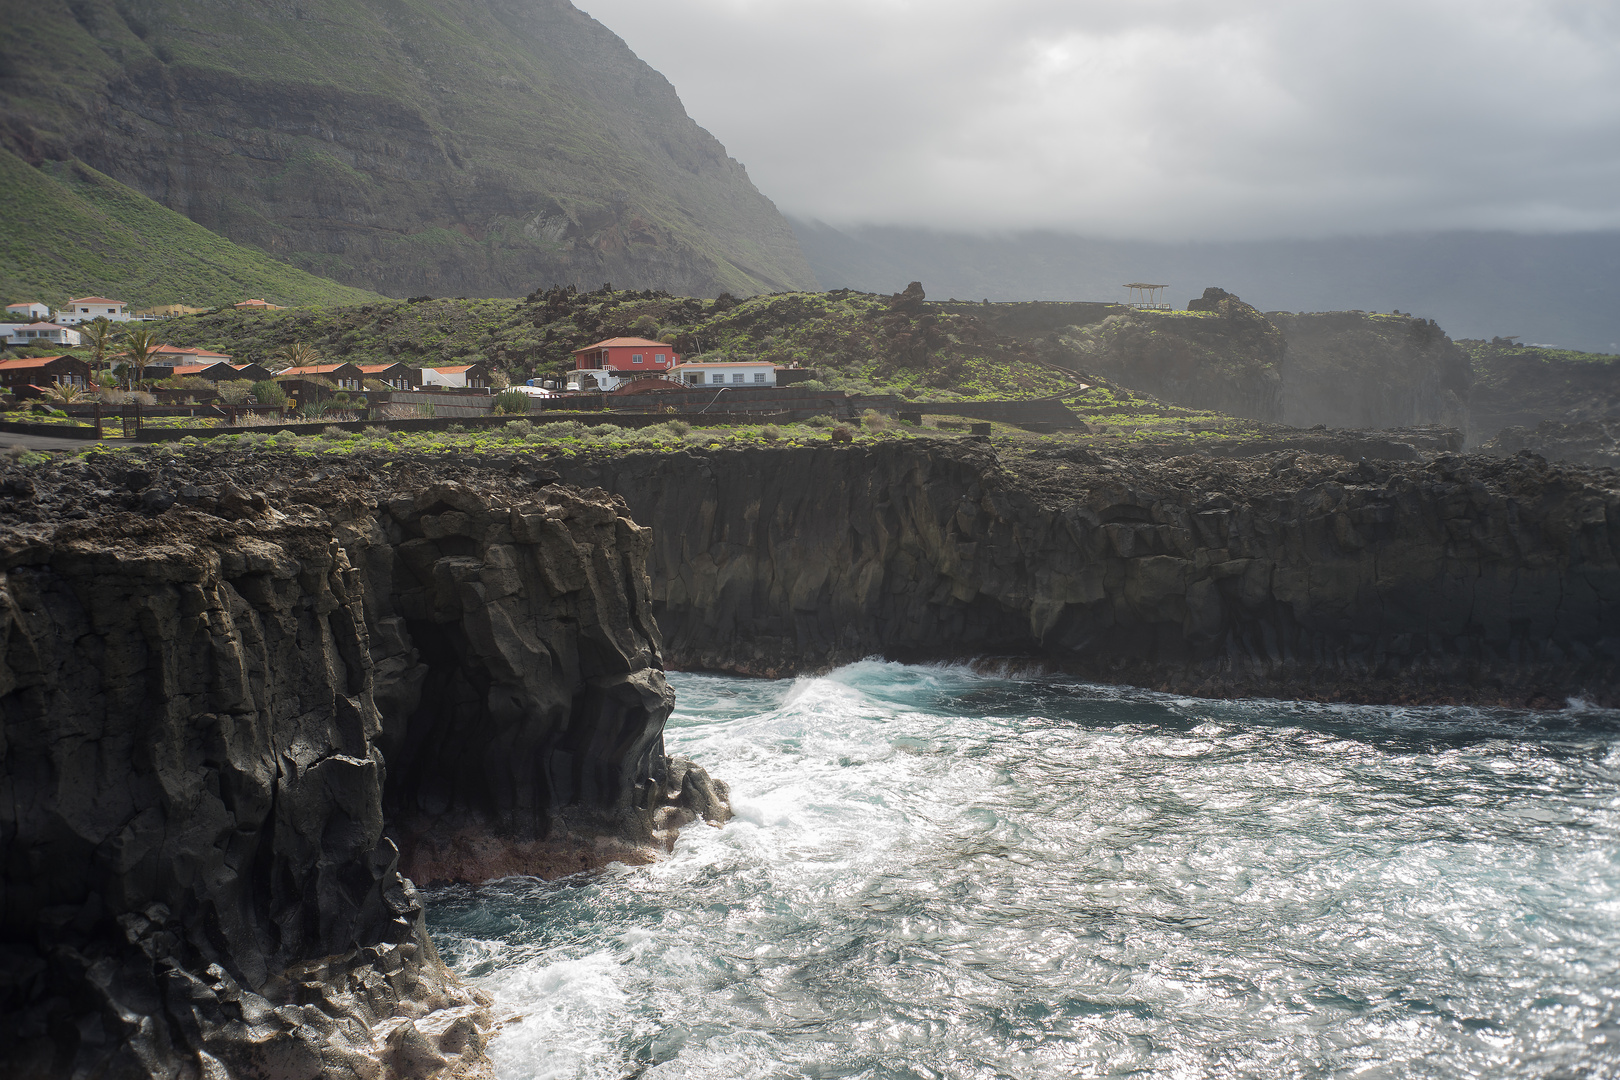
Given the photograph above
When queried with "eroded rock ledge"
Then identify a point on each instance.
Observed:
(235, 724)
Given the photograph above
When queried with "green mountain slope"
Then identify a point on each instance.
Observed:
(70, 231)
(407, 146)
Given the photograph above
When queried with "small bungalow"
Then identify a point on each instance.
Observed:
(725, 372)
(178, 356)
(397, 376)
(38, 333)
(29, 310)
(90, 308)
(458, 377)
(342, 376)
(28, 377)
(258, 305)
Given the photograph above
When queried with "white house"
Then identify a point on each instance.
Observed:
(39, 333)
(32, 310)
(726, 372)
(89, 308)
(460, 376)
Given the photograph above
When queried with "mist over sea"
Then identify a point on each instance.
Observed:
(936, 873)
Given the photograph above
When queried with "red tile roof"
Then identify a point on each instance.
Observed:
(26, 362)
(450, 370)
(625, 343)
(96, 300)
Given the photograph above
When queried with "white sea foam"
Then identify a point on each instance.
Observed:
(938, 873)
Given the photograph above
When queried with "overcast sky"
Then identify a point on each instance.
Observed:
(1156, 119)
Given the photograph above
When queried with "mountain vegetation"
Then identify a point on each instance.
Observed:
(397, 146)
(69, 231)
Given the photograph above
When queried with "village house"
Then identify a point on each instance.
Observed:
(462, 376)
(39, 333)
(90, 308)
(177, 356)
(395, 376)
(607, 364)
(342, 376)
(168, 311)
(258, 305)
(31, 310)
(29, 377)
(725, 372)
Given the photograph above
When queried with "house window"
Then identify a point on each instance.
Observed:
(636, 358)
(737, 377)
(658, 358)
(759, 376)
(717, 377)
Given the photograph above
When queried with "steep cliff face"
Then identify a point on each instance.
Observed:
(224, 716)
(1351, 369)
(1293, 574)
(1344, 369)
(1222, 355)
(399, 147)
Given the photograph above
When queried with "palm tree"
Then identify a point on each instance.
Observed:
(99, 336)
(66, 393)
(140, 342)
(298, 354)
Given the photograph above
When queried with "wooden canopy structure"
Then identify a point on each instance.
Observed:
(1142, 294)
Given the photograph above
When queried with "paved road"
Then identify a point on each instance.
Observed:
(51, 442)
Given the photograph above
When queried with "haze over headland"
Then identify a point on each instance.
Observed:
(1167, 120)
(1460, 161)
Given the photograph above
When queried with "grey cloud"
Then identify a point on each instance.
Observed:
(1157, 118)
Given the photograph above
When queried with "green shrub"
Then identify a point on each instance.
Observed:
(875, 421)
(234, 392)
(820, 421)
(519, 427)
(511, 403)
(606, 430)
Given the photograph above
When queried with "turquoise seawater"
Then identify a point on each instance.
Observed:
(936, 873)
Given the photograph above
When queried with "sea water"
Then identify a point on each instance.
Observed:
(936, 873)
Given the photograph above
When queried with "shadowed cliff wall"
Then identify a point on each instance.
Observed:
(1290, 575)
(224, 715)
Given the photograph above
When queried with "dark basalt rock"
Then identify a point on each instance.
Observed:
(225, 733)
(1290, 574)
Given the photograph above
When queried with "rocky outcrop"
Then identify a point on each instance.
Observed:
(1585, 442)
(1353, 369)
(231, 720)
(1221, 355)
(1289, 574)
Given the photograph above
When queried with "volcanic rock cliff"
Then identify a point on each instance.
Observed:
(484, 148)
(1291, 574)
(232, 724)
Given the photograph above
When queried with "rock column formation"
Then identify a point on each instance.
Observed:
(223, 718)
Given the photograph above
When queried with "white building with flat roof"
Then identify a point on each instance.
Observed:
(29, 310)
(724, 373)
(39, 333)
(90, 308)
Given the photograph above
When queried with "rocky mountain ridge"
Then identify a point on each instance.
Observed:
(400, 148)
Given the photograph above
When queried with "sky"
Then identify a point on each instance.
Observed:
(1157, 119)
